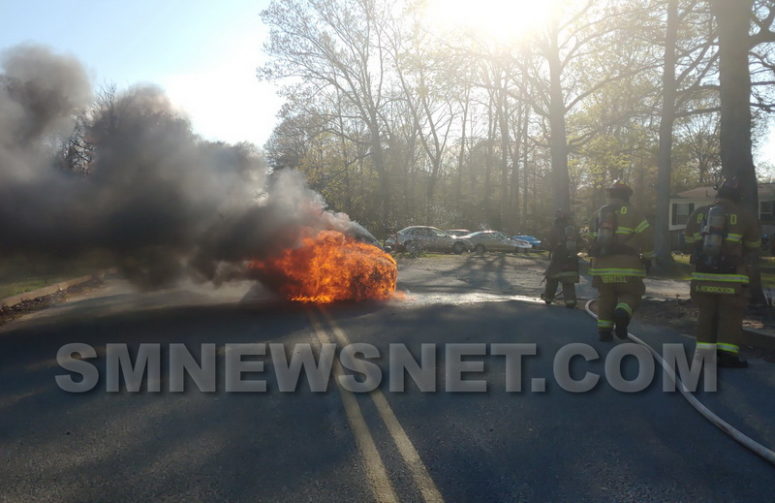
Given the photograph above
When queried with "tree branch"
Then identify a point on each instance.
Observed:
(764, 36)
(698, 111)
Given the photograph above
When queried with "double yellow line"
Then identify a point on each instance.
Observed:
(379, 481)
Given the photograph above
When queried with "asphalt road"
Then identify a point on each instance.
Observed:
(337, 446)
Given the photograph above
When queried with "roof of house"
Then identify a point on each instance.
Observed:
(696, 193)
(766, 191)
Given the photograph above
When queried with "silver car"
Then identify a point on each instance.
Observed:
(421, 238)
(484, 241)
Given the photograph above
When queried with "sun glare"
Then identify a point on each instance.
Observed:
(502, 21)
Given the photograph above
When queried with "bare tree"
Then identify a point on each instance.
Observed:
(566, 78)
(428, 88)
(334, 43)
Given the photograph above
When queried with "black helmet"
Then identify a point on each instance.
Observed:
(729, 188)
(620, 190)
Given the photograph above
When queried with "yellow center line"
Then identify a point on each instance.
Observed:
(375, 469)
(420, 474)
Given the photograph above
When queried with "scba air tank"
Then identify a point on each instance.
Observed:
(713, 234)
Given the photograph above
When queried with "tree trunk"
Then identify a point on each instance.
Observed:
(558, 143)
(525, 171)
(431, 191)
(734, 21)
(461, 158)
(486, 196)
(516, 218)
(504, 179)
(378, 158)
(664, 257)
(408, 177)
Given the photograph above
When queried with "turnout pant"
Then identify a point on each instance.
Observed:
(721, 319)
(568, 290)
(625, 295)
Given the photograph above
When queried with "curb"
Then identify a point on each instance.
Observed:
(45, 291)
(758, 338)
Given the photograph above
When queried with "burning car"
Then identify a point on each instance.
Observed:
(330, 266)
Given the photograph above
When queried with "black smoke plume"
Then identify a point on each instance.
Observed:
(124, 176)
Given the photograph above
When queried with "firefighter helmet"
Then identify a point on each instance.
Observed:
(619, 189)
(729, 188)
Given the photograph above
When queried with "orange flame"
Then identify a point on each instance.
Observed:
(330, 267)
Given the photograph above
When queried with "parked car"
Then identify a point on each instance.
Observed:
(534, 241)
(458, 232)
(483, 241)
(421, 238)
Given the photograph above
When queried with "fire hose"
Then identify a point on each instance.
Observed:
(743, 439)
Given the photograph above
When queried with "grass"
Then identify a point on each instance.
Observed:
(24, 273)
(27, 285)
(681, 258)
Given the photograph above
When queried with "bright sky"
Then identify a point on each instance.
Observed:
(204, 53)
(502, 22)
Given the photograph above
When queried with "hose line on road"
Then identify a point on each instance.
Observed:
(743, 439)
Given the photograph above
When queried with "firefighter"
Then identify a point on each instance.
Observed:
(564, 263)
(621, 252)
(723, 239)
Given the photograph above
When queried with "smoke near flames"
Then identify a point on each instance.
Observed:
(159, 201)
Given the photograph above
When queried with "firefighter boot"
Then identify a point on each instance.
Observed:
(605, 335)
(550, 290)
(730, 360)
(621, 321)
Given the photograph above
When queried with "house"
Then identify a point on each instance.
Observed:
(683, 203)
